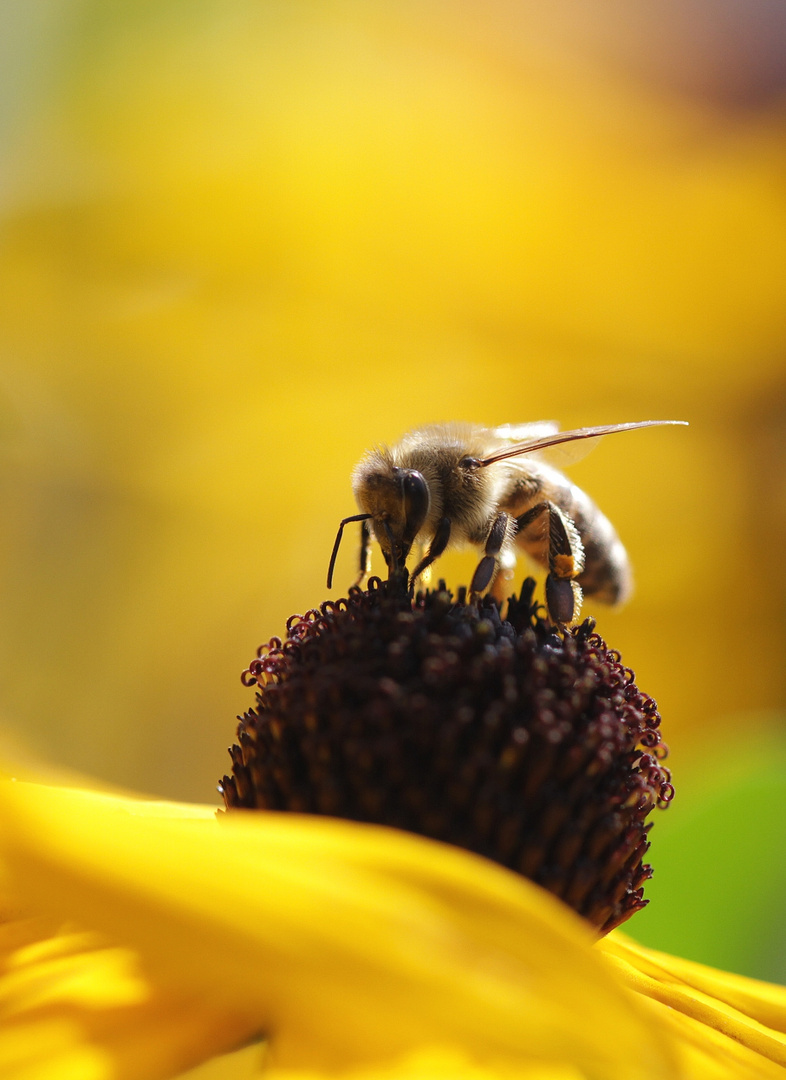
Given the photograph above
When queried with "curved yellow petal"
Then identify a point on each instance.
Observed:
(438, 1063)
(350, 944)
(728, 1025)
(73, 1007)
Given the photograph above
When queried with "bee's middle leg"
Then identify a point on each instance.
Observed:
(489, 564)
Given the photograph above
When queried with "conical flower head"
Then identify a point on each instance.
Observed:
(527, 745)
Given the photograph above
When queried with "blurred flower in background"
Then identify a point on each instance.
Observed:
(243, 242)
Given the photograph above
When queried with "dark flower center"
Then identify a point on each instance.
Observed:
(530, 746)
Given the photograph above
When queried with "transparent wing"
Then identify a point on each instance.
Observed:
(520, 433)
(562, 455)
(577, 435)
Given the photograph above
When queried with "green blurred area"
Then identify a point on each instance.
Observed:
(241, 243)
(718, 894)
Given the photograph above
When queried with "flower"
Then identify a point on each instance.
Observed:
(142, 937)
(531, 747)
(358, 950)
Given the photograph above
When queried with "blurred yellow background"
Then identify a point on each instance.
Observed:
(241, 242)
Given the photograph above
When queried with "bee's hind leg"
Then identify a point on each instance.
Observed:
(565, 562)
(489, 564)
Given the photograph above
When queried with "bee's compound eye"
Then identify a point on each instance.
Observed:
(470, 464)
(416, 502)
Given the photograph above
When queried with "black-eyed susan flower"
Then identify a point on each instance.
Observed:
(141, 937)
(531, 747)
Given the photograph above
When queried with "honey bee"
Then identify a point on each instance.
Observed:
(451, 485)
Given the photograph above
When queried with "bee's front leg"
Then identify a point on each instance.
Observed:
(365, 554)
(565, 562)
(489, 564)
(436, 547)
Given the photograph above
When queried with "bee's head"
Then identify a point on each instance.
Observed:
(397, 501)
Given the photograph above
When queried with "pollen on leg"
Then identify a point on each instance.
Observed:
(563, 566)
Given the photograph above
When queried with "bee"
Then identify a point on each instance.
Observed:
(451, 485)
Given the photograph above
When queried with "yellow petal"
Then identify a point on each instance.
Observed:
(729, 1025)
(439, 1063)
(351, 944)
(73, 1007)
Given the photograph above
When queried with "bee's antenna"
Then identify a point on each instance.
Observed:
(337, 545)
